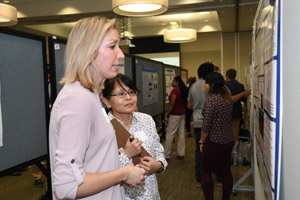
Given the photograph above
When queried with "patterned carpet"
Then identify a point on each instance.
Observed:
(177, 183)
(21, 187)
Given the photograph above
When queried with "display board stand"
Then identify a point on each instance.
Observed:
(238, 185)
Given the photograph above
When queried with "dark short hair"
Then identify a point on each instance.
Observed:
(120, 78)
(205, 69)
(231, 73)
(215, 78)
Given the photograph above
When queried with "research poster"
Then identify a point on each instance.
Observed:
(150, 86)
(184, 77)
(1, 127)
(267, 91)
(169, 76)
(249, 85)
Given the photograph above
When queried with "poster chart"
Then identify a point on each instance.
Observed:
(169, 76)
(184, 77)
(1, 127)
(266, 98)
(150, 85)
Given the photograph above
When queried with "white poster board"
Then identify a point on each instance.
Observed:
(266, 98)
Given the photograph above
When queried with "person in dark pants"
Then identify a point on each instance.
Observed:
(216, 141)
(235, 88)
(195, 101)
(189, 112)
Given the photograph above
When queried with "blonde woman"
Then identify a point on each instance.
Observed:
(83, 150)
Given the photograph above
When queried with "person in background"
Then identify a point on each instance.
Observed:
(175, 117)
(235, 88)
(216, 141)
(195, 101)
(189, 112)
(216, 69)
(120, 95)
(84, 158)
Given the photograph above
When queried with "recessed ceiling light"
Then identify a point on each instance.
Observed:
(203, 13)
(206, 20)
(6, 1)
(173, 23)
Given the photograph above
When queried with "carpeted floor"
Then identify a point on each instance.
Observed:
(21, 187)
(177, 183)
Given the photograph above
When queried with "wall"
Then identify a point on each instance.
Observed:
(208, 47)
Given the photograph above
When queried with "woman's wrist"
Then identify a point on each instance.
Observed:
(161, 169)
(125, 172)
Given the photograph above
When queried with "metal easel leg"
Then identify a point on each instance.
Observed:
(238, 187)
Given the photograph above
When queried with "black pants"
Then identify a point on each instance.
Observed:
(188, 118)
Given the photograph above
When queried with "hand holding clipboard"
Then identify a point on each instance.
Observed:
(122, 136)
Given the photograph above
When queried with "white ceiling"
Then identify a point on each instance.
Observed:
(52, 17)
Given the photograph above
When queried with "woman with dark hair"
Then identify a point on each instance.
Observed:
(216, 141)
(120, 95)
(175, 117)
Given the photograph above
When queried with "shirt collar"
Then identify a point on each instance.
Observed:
(134, 118)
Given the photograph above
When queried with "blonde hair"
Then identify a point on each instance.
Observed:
(82, 48)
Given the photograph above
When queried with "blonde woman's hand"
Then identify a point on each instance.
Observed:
(135, 176)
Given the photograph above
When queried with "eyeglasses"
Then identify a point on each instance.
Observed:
(131, 93)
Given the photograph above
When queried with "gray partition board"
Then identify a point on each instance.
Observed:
(149, 86)
(128, 65)
(57, 48)
(23, 100)
(60, 49)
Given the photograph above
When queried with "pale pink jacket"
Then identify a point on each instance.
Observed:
(81, 140)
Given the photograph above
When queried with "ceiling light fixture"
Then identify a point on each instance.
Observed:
(8, 15)
(180, 35)
(139, 8)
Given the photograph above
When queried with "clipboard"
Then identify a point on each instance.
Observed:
(122, 136)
